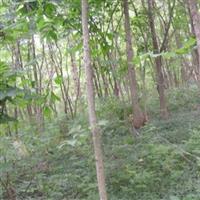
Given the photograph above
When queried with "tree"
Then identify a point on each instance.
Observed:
(158, 63)
(195, 20)
(138, 118)
(91, 104)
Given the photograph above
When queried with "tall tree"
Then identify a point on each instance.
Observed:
(138, 116)
(195, 20)
(158, 62)
(91, 104)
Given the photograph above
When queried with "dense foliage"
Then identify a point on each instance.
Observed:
(111, 84)
(162, 163)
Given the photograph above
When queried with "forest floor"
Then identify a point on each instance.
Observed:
(162, 163)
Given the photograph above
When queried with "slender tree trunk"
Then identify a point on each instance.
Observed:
(76, 77)
(111, 56)
(105, 84)
(97, 81)
(38, 89)
(158, 63)
(91, 105)
(138, 116)
(183, 70)
(195, 18)
(17, 64)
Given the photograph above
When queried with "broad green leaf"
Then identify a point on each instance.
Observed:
(58, 80)
(47, 111)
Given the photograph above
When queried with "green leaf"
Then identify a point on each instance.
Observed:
(49, 9)
(58, 80)
(188, 45)
(136, 60)
(51, 35)
(3, 68)
(47, 111)
(168, 55)
(181, 51)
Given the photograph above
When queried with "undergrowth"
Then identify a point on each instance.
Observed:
(162, 163)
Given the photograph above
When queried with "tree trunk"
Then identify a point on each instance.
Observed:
(158, 63)
(91, 105)
(138, 116)
(38, 89)
(195, 18)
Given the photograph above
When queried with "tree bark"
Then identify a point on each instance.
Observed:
(138, 116)
(195, 18)
(158, 62)
(91, 105)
